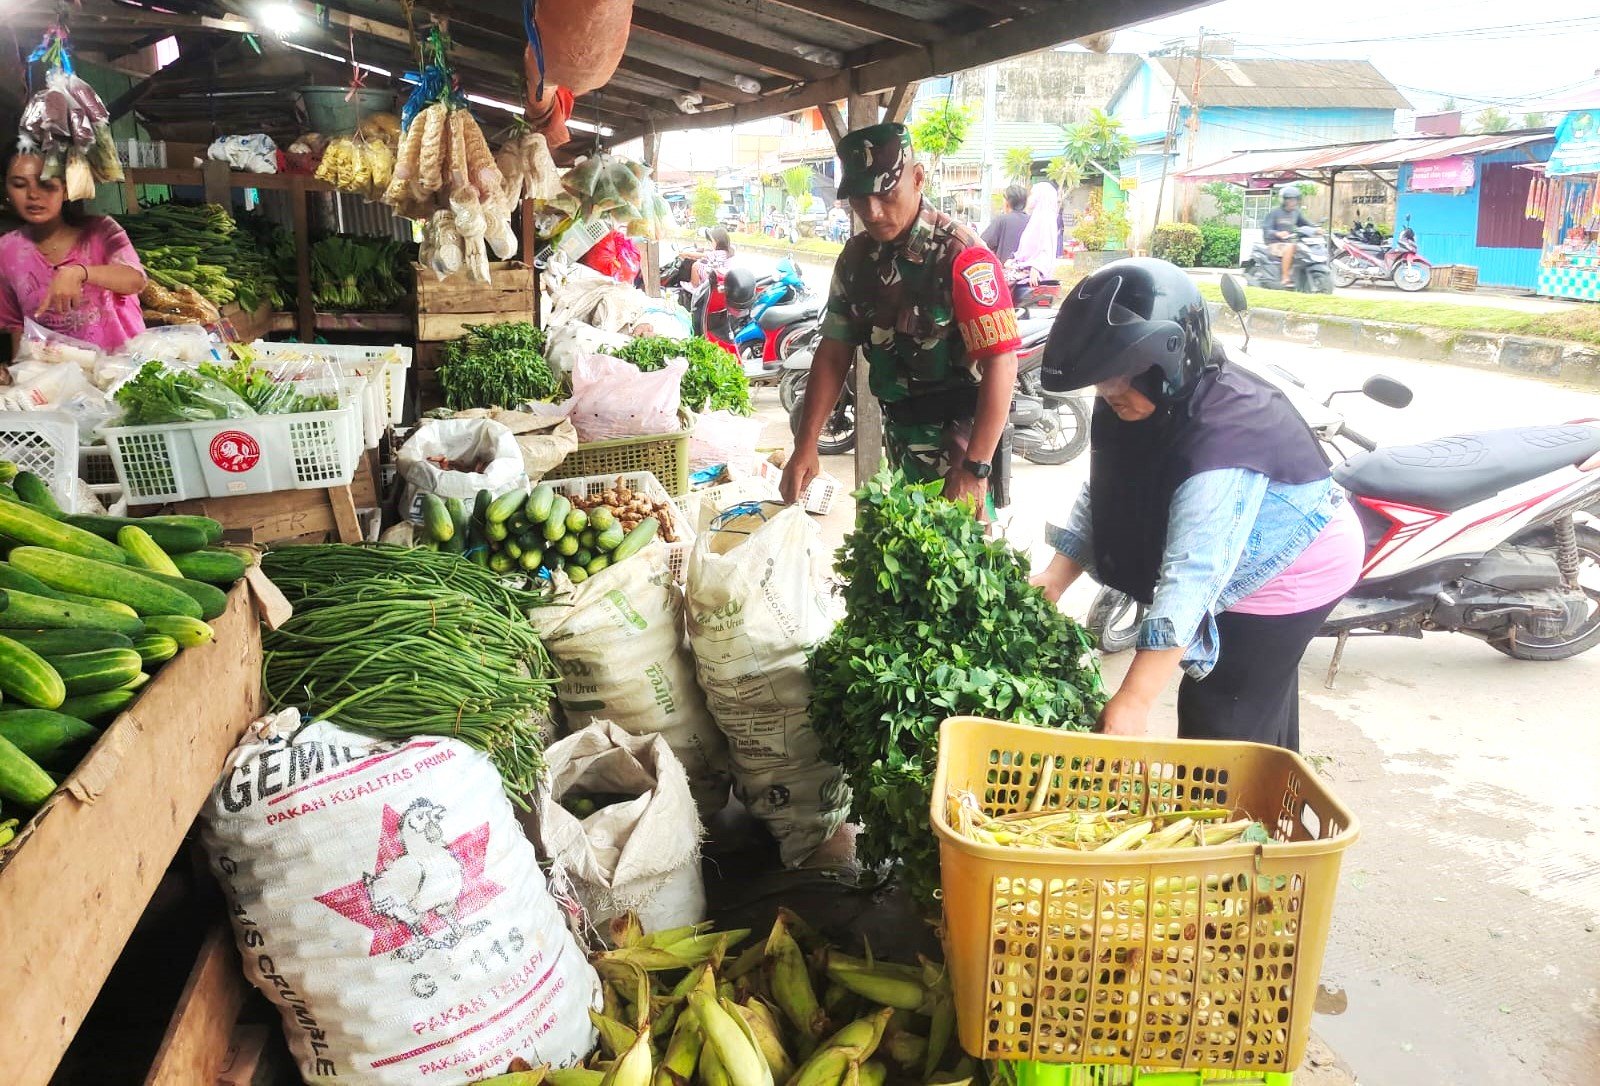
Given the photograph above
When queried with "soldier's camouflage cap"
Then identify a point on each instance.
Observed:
(872, 160)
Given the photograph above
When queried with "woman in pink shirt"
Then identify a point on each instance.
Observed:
(72, 273)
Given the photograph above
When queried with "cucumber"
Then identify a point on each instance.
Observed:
(211, 528)
(102, 706)
(635, 540)
(583, 557)
(611, 538)
(577, 574)
(145, 551)
(27, 525)
(540, 501)
(187, 632)
(567, 545)
(29, 677)
(577, 520)
(8, 471)
(530, 560)
(495, 530)
(13, 578)
(42, 734)
(436, 519)
(102, 669)
(28, 612)
(89, 577)
(501, 509)
(555, 525)
(587, 537)
(32, 489)
(460, 516)
(211, 566)
(21, 779)
(502, 563)
(480, 507)
(155, 648)
(174, 538)
(598, 563)
(95, 601)
(48, 643)
(212, 600)
(601, 518)
(517, 523)
(513, 548)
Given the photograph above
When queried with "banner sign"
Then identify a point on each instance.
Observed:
(1433, 174)
(1577, 144)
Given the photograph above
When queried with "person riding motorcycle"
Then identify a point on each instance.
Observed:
(1281, 227)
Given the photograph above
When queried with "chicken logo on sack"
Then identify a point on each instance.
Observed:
(422, 887)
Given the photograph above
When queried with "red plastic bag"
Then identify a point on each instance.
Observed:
(617, 256)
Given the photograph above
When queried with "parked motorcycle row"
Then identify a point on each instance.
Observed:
(1471, 533)
(1361, 255)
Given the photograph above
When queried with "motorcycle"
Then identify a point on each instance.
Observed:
(1358, 259)
(781, 302)
(1028, 294)
(1046, 428)
(1472, 533)
(1309, 272)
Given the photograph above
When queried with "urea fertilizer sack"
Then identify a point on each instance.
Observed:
(385, 899)
(757, 602)
(622, 656)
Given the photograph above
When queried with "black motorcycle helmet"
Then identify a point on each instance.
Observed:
(739, 288)
(1126, 319)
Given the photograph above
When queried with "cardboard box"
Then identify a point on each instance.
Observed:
(80, 873)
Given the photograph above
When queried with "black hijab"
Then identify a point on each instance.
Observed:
(1231, 419)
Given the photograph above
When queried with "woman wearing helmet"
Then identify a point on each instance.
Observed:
(1209, 500)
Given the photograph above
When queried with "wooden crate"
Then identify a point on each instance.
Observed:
(199, 1038)
(445, 308)
(79, 875)
(1463, 277)
(283, 515)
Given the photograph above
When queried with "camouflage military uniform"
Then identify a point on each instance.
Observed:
(924, 310)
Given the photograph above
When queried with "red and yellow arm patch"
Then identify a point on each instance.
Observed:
(981, 303)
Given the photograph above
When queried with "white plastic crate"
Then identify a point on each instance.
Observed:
(640, 482)
(384, 370)
(45, 443)
(820, 495)
(221, 458)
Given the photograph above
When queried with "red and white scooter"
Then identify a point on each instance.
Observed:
(1474, 533)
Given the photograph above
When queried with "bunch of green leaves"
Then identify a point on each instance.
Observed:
(497, 365)
(940, 621)
(714, 381)
(157, 395)
(358, 273)
(265, 394)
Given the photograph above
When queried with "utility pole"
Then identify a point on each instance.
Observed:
(991, 83)
(1194, 123)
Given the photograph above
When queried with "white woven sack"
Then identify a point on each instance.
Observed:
(384, 897)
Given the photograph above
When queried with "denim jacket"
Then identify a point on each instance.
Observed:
(1230, 531)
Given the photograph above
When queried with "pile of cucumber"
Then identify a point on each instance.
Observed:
(90, 607)
(529, 532)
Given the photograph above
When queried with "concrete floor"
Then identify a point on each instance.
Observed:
(1464, 946)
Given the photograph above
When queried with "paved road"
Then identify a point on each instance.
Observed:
(1464, 945)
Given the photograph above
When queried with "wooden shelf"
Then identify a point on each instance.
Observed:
(363, 322)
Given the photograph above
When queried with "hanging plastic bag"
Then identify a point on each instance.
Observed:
(41, 344)
(616, 256)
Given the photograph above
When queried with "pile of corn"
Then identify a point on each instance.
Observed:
(790, 1010)
(1115, 830)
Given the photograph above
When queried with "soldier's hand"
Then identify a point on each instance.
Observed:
(960, 483)
(802, 467)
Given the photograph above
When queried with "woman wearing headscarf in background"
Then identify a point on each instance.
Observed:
(1041, 238)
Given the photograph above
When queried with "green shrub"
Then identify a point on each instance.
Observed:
(1178, 242)
(1219, 246)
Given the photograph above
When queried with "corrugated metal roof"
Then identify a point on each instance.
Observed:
(1374, 154)
(1044, 140)
(1301, 84)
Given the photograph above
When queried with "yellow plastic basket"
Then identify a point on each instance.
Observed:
(666, 456)
(1193, 959)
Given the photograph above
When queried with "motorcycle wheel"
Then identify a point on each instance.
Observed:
(838, 432)
(1319, 281)
(1061, 434)
(1342, 276)
(791, 387)
(1412, 277)
(1526, 646)
(1114, 620)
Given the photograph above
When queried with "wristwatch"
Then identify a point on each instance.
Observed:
(978, 469)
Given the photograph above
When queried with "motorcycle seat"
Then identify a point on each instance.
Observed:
(1034, 330)
(779, 315)
(1367, 246)
(1451, 473)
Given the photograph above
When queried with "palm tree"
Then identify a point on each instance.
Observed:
(1066, 174)
(1019, 164)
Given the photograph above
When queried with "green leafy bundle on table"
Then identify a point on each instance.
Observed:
(366, 274)
(496, 365)
(940, 621)
(715, 380)
(202, 247)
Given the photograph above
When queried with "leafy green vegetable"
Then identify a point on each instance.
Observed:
(156, 395)
(715, 380)
(265, 395)
(358, 273)
(939, 622)
(496, 365)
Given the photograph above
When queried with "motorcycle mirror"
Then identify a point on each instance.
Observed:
(1387, 391)
(1233, 293)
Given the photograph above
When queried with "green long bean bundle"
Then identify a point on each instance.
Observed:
(406, 656)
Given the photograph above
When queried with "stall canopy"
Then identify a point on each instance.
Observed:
(1317, 163)
(688, 63)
